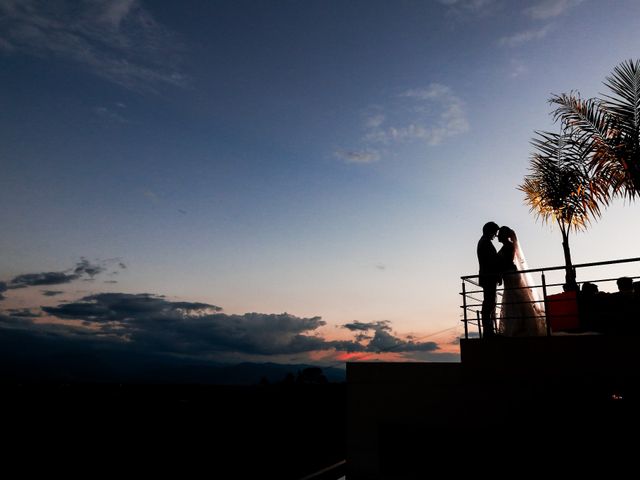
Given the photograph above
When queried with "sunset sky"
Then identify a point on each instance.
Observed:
(281, 180)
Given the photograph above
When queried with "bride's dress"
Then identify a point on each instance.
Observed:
(520, 315)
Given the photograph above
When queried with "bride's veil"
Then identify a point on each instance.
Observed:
(521, 264)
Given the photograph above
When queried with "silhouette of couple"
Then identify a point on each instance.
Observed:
(521, 313)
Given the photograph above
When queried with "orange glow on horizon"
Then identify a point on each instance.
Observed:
(354, 356)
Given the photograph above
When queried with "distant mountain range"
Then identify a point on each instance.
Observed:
(246, 373)
(34, 358)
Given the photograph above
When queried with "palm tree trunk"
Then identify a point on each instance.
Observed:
(570, 275)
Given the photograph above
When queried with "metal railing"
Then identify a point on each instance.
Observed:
(337, 471)
(472, 291)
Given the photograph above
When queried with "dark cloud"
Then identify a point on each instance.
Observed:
(194, 306)
(51, 293)
(118, 264)
(23, 313)
(384, 341)
(153, 323)
(362, 326)
(10, 322)
(44, 278)
(3, 288)
(109, 307)
(78, 311)
(85, 267)
(84, 270)
(348, 346)
(110, 281)
(361, 337)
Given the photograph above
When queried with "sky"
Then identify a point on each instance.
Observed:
(281, 180)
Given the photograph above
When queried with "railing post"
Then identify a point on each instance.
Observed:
(479, 323)
(464, 309)
(546, 308)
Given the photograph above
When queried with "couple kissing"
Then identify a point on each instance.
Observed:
(521, 312)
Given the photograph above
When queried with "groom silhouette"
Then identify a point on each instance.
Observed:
(489, 276)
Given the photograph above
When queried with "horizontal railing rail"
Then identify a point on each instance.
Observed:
(472, 291)
(563, 267)
(337, 471)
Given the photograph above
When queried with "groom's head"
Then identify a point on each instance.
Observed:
(490, 229)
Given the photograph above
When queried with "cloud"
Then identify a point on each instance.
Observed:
(355, 156)
(524, 37)
(44, 278)
(153, 324)
(51, 293)
(23, 313)
(384, 341)
(115, 39)
(362, 326)
(430, 114)
(10, 322)
(550, 8)
(108, 307)
(84, 269)
(449, 121)
(446, 120)
(362, 337)
(115, 11)
(467, 6)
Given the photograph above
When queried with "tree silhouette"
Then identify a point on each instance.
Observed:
(560, 187)
(608, 129)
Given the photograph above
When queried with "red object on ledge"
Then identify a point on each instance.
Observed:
(562, 311)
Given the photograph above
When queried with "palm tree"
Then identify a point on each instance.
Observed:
(560, 187)
(609, 129)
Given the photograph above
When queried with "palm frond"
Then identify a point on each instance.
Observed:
(608, 129)
(560, 186)
(624, 83)
(585, 118)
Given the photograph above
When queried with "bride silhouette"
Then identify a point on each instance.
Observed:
(520, 315)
